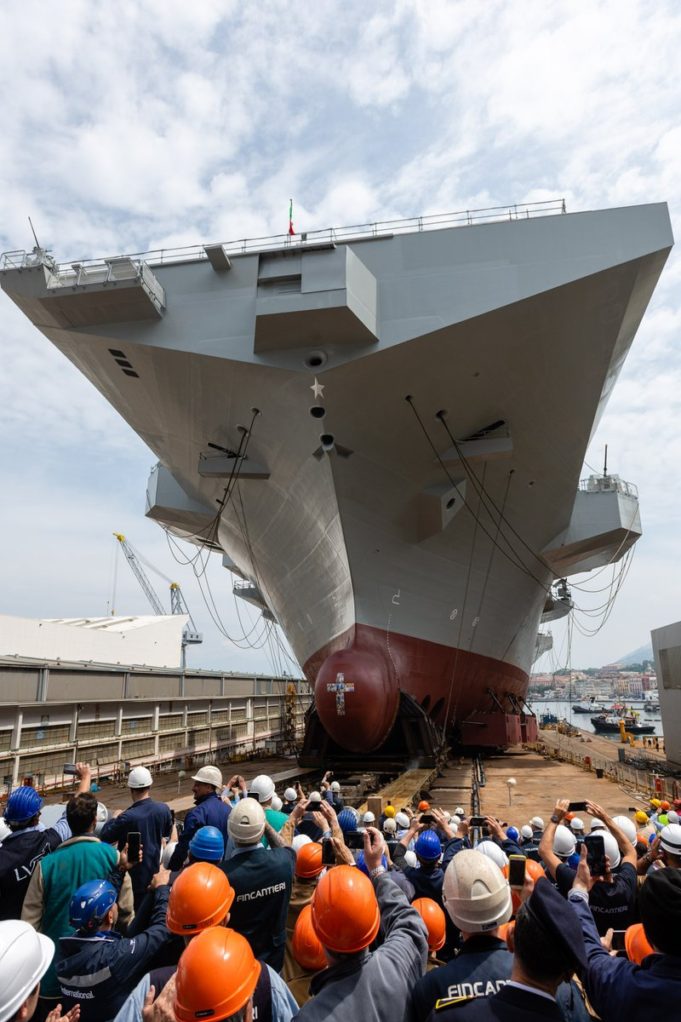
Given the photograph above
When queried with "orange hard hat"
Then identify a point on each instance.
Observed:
(200, 897)
(309, 860)
(636, 943)
(306, 945)
(665, 806)
(506, 929)
(424, 806)
(216, 976)
(345, 913)
(434, 918)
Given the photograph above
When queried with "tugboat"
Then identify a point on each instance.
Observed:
(593, 708)
(609, 724)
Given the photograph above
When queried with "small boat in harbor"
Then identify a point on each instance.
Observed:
(592, 708)
(609, 724)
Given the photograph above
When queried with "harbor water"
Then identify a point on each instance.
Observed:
(563, 710)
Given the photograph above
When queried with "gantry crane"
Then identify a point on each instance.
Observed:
(190, 635)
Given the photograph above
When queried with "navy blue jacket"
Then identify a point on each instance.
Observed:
(154, 822)
(209, 811)
(262, 879)
(100, 971)
(20, 853)
(508, 1005)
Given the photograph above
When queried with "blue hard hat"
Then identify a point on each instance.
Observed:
(428, 846)
(22, 805)
(207, 845)
(347, 820)
(650, 839)
(90, 904)
(512, 834)
(363, 866)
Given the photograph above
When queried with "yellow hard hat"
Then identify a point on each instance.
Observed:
(641, 817)
(655, 802)
(389, 811)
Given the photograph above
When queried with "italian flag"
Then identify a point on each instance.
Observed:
(290, 217)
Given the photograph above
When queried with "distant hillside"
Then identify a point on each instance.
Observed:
(637, 656)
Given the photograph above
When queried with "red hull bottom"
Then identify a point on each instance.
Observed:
(358, 676)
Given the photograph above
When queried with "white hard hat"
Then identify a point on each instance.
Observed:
(670, 838)
(564, 843)
(460, 811)
(446, 815)
(627, 825)
(290, 795)
(526, 831)
(209, 775)
(4, 829)
(454, 821)
(402, 820)
(276, 803)
(475, 893)
(315, 796)
(673, 816)
(537, 823)
(246, 822)
(576, 823)
(410, 858)
(300, 840)
(25, 957)
(262, 785)
(492, 851)
(369, 818)
(139, 777)
(389, 826)
(335, 786)
(597, 824)
(167, 853)
(611, 849)
(102, 818)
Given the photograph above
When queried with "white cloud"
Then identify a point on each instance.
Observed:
(161, 124)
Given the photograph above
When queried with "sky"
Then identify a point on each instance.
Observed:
(138, 125)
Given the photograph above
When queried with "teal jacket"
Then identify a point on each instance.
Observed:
(53, 883)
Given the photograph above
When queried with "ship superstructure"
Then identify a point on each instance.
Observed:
(383, 431)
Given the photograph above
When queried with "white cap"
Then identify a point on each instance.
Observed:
(25, 957)
(335, 786)
(369, 818)
(411, 860)
(537, 823)
(389, 826)
(576, 823)
(139, 777)
(597, 825)
(526, 831)
(670, 838)
(494, 852)
(475, 893)
(627, 825)
(209, 775)
(300, 840)
(246, 823)
(262, 785)
(460, 811)
(611, 849)
(290, 795)
(402, 821)
(167, 853)
(564, 843)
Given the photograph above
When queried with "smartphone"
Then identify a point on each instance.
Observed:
(477, 821)
(516, 870)
(253, 794)
(134, 840)
(354, 839)
(426, 818)
(595, 854)
(70, 768)
(577, 807)
(313, 807)
(328, 853)
(618, 940)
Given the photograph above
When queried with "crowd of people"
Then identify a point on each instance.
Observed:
(269, 907)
